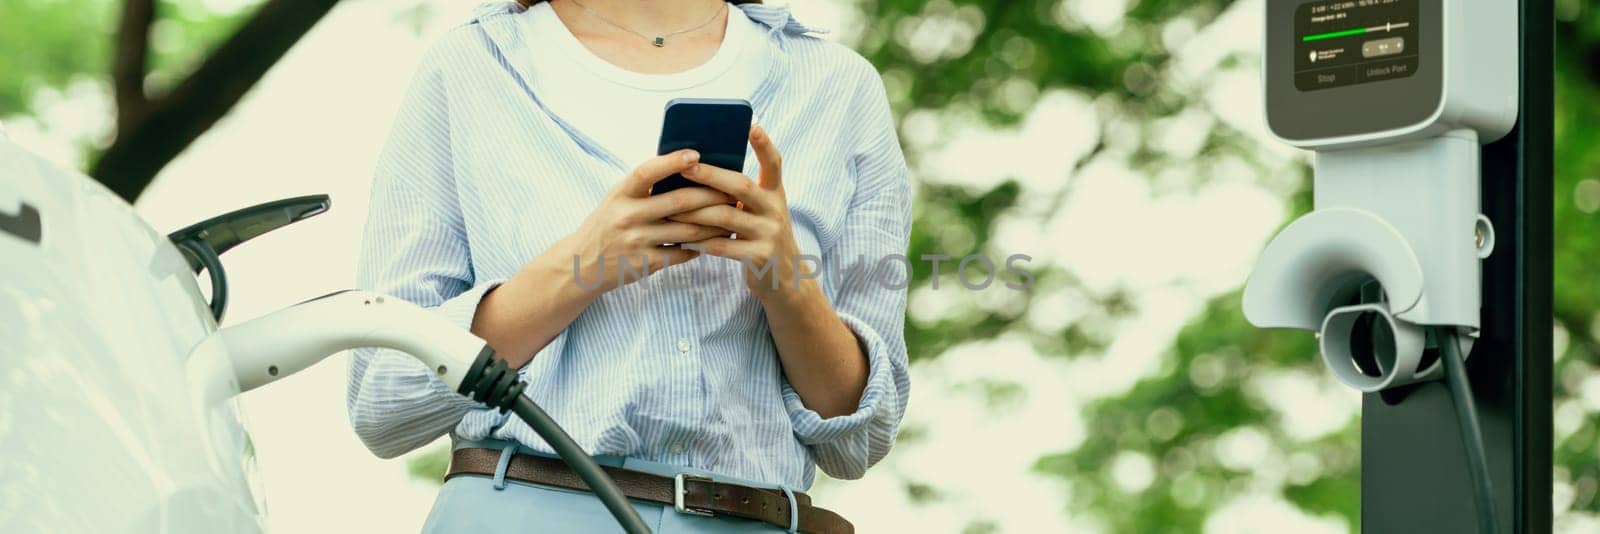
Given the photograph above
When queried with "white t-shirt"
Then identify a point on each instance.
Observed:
(621, 109)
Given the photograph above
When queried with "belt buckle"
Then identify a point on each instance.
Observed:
(679, 490)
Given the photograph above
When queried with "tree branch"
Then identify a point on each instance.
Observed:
(132, 57)
(172, 122)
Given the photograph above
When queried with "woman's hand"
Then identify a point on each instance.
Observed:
(630, 224)
(531, 308)
(821, 357)
(765, 237)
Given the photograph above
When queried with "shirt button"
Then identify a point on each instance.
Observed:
(683, 345)
(677, 448)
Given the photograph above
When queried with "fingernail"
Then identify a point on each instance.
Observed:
(690, 155)
(691, 170)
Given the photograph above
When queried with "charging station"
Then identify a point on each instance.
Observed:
(1425, 267)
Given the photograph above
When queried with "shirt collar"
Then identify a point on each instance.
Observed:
(778, 18)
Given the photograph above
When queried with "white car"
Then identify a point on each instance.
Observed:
(99, 427)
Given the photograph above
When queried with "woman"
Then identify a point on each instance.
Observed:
(522, 159)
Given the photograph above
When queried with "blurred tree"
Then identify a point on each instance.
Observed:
(1201, 399)
(165, 96)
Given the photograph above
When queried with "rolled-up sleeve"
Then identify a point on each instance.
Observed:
(414, 248)
(869, 296)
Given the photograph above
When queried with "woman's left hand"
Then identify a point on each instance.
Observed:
(765, 238)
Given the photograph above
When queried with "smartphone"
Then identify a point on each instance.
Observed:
(717, 128)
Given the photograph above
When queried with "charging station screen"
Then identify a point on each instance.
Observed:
(1353, 42)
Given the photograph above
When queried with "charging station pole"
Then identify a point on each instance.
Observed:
(1414, 466)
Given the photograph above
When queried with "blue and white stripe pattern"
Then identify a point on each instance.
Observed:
(478, 178)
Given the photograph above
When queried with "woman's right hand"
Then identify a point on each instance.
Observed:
(524, 313)
(630, 223)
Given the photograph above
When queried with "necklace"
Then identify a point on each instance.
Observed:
(658, 40)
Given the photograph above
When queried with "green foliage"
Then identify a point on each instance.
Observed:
(186, 33)
(1016, 52)
(1577, 289)
(430, 465)
(1172, 420)
(1203, 390)
(52, 44)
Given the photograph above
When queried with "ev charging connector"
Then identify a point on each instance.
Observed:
(1395, 97)
(252, 354)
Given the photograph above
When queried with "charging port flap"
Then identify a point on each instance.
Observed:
(202, 242)
(228, 230)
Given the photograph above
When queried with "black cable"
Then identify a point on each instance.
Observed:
(600, 483)
(219, 279)
(1455, 371)
(492, 382)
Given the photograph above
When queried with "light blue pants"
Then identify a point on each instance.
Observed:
(494, 505)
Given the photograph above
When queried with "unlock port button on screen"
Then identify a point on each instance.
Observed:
(1387, 70)
(1383, 47)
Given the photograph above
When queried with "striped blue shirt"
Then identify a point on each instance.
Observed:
(478, 178)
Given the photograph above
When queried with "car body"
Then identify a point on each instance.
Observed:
(108, 423)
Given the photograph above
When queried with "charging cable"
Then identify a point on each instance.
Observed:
(263, 350)
(491, 381)
(1455, 371)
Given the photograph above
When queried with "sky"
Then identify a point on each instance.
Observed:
(315, 124)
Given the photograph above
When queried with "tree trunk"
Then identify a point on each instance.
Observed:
(150, 137)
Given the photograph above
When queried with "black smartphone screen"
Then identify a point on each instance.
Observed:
(719, 129)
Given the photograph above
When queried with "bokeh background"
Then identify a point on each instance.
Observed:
(1118, 142)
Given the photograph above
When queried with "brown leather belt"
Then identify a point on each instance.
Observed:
(688, 493)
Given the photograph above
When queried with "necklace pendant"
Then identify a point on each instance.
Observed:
(659, 41)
